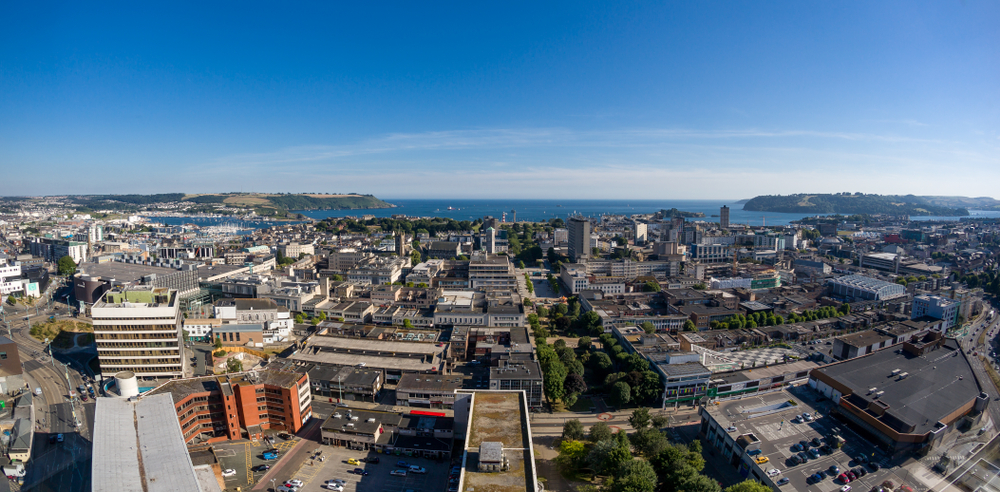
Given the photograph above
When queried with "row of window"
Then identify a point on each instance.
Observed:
(105, 328)
(136, 353)
(136, 336)
(126, 345)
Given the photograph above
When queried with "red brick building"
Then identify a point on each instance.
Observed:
(239, 405)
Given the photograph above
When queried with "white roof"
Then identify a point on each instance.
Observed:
(126, 432)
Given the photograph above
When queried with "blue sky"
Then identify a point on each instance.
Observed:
(521, 100)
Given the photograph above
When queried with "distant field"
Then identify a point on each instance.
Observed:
(332, 196)
(246, 200)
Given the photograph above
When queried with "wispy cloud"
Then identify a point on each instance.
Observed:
(535, 138)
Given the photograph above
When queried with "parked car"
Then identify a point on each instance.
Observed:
(417, 469)
(762, 459)
(334, 487)
(731, 428)
(337, 481)
(773, 472)
(796, 447)
(353, 461)
(834, 470)
(844, 478)
(229, 472)
(782, 481)
(874, 466)
(402, 464)
(261, 468)
(270, 456)
(398, 473)
(846, 488)
(373, 460)
(294, 483)
(60, 438)
(816, 442)
(360, 471)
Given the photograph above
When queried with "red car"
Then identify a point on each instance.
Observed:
(844, 478)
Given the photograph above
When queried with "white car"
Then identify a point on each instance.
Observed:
(334, 487)
(773, 472)
(294, 483)
(846, 488)
(731, 428)
(337, 481)
(229, 472)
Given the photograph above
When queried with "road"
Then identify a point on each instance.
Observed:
(970, 343)
(53, 465)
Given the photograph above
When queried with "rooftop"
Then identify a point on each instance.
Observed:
(139, 447)
(863, 338)
(429, 382)
(938, 383)
(123, 272)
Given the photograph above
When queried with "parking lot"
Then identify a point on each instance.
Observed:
(335, 466)
(244, 456)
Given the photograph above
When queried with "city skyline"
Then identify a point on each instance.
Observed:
(555, 101)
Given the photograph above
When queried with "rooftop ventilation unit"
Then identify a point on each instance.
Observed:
(895, 372)
(903, 375)
(879, 394)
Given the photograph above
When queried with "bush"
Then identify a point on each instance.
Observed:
(220, 353)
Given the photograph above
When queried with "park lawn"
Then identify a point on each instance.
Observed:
(53, 328)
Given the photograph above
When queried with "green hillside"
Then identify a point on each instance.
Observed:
(851, 204)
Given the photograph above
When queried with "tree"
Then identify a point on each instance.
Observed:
(699, 286)
(649, 441)
(621, 393)
(322, 316)
(553, 378)
(748, 486)
(660, 421)
(601, 364)
(600, 431)
(689, 325)
(218, 343)
(314, 321)
(234, 365)
(562, 308)
(67, 266)
(651, 286)
(573, 429)
(640, 418)
(415, 257)
(583, 343)
(572, 453)
(542, 311)
(299, 318)
(648, 327)
(407, 323)
(633, 476)
(575, 384)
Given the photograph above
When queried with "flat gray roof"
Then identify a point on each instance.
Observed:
(138, 446)
(356, 344)
(123, 272)
(387, 363)
(939, 382)
(115, 463)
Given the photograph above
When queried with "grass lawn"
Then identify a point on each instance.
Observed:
(582, 404)
(51, 329)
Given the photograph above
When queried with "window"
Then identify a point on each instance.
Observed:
(3, 355)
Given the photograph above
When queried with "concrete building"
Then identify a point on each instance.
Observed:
(427, 391)
(138, 446)
(200, 329)
(578, 239)
(495, 423)
(138, 329)
(11, 371)
(276, 319)
(859, 344)
(906, 400)
(53, 249)
(936, 307)
(294, 250)
(520, 372)
(724, 217)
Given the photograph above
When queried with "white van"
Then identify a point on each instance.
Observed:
(417, 469)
